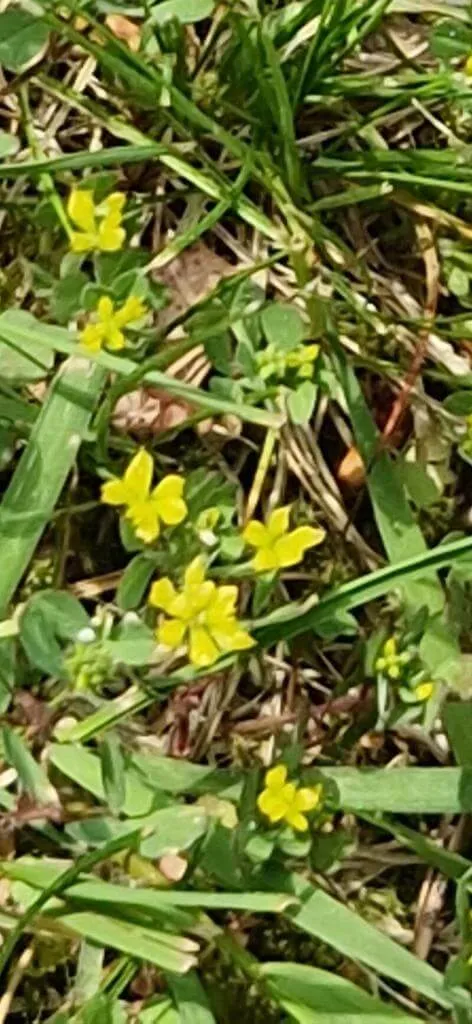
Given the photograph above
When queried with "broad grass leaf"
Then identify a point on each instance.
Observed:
(22, 361)
(113, 772)
(328, 997)
(134, 582)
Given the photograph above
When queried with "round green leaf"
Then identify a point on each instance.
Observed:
(22, 37)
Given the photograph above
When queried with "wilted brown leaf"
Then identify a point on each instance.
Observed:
(125, 30)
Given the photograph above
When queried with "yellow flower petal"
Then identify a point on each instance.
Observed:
(272, 806)
(276, 777)
(114, 492)
(81, 209)
(230, 636)
(145, 519)
(306, 799)
(133, 309)
(289, 550)
(195, 572)
(278, 522)
(202, 649)
(110, 238)
(222, 605)
(390, 647)
(81, 242)
(138, 476)
(92, 337)
(265, 560)
(113, 205)
(162, 594)
(171, 633)
(296, 820)
(423, 691)
(114, 339)
(256, 534)
(105, 307)
(168, 496)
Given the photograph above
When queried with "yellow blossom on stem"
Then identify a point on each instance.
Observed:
(106, 328)
(201, 617)
(277, 547)
(284, 801)
(391, 663)
(423, 691)
(100, 223)
(146, 508)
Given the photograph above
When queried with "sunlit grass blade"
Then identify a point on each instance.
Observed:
(42, 471)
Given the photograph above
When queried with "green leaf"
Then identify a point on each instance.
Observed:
(402, 790)
(419, 485)
(22, 37)
(113, 772)
(458, 282)
(185, 11)
(133, 939)
(457, 718)
(32, 776)
(47, 617)
(9, 144)
(22, 361)
(160, 1011)
(191, 1000)
(132, 644)
(45, 464)
(84, 768)
(300, 403)
(65, 298)
(451, 39)
(174, 829)
(134, 582)
(459, 403)
(330, 998)
(344, 929)
(283, 326)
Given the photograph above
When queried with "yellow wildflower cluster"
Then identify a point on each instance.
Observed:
(276, 546)
(146, 508)
(392, 663)
(106, 326)
(284, 801)
(201, 617)
(100, 224)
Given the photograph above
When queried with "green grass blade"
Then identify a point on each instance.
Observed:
(42, 471)
(327, 919)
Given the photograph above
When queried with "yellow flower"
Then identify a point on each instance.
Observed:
(100, 224)
(391, 662)
(423, 691)
(302, 358)
(146, 508)
(106, 329)
(202, 617)
(468, 65)
(276, 546)
(283, 801)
